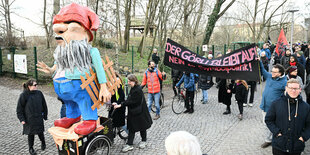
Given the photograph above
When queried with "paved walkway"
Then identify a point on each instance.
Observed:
(218, 134)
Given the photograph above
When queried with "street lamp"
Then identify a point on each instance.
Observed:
(292, 28)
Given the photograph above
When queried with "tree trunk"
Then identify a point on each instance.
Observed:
(118, 23)
(46, 26)
(127, 26)
(215, 15)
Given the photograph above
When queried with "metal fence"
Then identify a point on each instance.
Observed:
(129, 62)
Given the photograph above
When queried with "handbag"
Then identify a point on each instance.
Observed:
(137, 110)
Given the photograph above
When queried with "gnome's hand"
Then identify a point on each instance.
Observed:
(44, 68)
(104, 94)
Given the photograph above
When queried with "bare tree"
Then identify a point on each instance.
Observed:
(149, 18)
(215, 15)
(5, 10)
(127, 24)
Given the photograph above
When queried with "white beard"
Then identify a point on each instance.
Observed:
(75, 54)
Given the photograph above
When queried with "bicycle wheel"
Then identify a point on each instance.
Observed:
(98, 145)
(178, 104)
(162, 100)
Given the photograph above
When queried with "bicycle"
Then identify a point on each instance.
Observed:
(178, 102)
(161, 101)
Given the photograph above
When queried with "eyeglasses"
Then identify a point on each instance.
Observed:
(295, 89)
(35, 85)
(274, 72)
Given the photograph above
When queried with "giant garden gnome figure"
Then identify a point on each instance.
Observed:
(73, 57)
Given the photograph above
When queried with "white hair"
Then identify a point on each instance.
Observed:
(182, 143)
(75, 54)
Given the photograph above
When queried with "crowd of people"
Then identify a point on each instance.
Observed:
(286, 114)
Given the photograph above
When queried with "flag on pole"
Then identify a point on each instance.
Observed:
(281, 44)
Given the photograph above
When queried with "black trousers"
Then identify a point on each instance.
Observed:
(189, 98)
(240, 106)
(252, 89)
(31, 139)
(131, 136)
(279, 152)
(174, 83)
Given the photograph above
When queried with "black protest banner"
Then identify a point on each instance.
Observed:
(239, 64)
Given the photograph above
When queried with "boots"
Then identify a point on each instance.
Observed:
(227, 111)
(66, 122)
(43, 145)
(32, 151)
(86, 127)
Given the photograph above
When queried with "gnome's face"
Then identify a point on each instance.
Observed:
(67, 31)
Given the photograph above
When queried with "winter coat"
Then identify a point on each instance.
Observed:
(189, 82)
(267, 51)
(223, 96)
(155, 58)
(137, 121)
(265, 62)
(285, 60)
(277, 120)
(119, 114)
(274, 88)
(205, 82)
(307, 86)
(302, 60)
(240, 92)
(176, 75)
(32, 109)
(152, 80)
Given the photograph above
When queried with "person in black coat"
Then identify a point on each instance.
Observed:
(31, 110)
(240, 89)
(205, 82)
(288, 119)
(138, 118)
(176, 75)
(155, 57)
(224, 94)
(118, 114)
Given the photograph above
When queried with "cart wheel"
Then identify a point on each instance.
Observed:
(98, 145)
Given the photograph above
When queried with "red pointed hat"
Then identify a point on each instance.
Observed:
(83, 15)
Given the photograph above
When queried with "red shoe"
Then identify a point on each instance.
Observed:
(86, 127)
(66, 122)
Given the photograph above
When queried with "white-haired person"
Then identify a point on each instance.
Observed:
(182, 143)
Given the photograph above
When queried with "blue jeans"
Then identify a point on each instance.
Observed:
(63, 111)
(153, 97)
(77, 101)
(204, 95)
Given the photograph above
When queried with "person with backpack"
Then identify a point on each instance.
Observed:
(190, 87)
(153, 78)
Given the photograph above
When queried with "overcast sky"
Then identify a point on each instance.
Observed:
(33, 9)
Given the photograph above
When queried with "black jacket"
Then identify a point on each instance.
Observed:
(137, 122)
(155, 58)
(176, 75)
(240, 92)
(223, 96)
(31, 108)
(277, 120)
(119, 114)
(205, 82)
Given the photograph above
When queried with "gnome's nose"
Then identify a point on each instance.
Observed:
(59, 28)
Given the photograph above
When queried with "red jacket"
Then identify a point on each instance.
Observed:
(152, 81)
